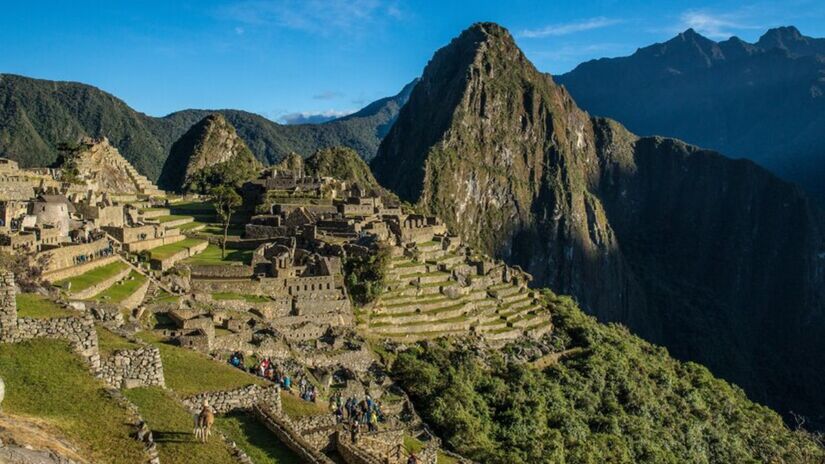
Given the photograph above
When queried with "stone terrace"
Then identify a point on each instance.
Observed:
(438, 292)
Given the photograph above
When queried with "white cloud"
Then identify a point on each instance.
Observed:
(555, 30)
(720, 25)
(310, 117)
(323, 17)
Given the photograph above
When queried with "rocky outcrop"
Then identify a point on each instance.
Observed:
(99, 165)
(210, 144)
(690, 249)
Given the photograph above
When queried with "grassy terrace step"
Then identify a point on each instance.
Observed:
(410, 327)
(68, 399)
(188, 372)
(39, 307)
(392, 318)
(165, 251)
(512, 312)
(123, 289)
(193, 226)
(211, 256)
(424, 335)
(513, 297)
(174, 218)
(93, 277)
(108, 342)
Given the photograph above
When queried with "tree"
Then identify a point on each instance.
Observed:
(225, 200)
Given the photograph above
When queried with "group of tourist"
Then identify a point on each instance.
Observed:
(267, 369)
(358, 414)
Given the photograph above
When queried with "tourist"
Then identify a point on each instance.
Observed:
(353, 432)
(413, 460)
(287, 383)
(372, 421)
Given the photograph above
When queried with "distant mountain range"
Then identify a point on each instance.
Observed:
(716, 259)
(37, 115)
(764, 101)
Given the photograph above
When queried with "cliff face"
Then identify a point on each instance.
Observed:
(761, 101)
(688, 248)
(209, 143)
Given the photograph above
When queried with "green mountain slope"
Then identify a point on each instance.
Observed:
(610, 397)
(717, 260)
(37, 115)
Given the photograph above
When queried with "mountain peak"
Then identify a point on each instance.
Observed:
(210, 142)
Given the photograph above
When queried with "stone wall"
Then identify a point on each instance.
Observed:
(136, 247)
(309, 307)
(140, 367)
(79, 331)
(221, 272)
(64, 257)
(8, 307)
(283, 429)
(244, 398)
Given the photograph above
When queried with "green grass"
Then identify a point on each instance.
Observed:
(190, 226)
(68, 398)
(165, 251)
(238, 296)
(217, 229)
(123, 289)
(109, 342)
(295, 407)
(172, 425)
(211, 256)
(255, 439)
(188, 372)
(172, 217)
(93, 277)
(164, 297)
(412, 444)
(39, 307)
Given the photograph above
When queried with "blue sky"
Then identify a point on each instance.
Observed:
(278, 57)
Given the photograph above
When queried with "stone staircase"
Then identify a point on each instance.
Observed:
(143, 184)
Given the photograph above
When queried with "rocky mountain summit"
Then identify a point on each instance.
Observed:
(762, 101)
(211, 142)
(716, 259)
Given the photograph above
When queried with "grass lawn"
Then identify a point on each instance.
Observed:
(211, 256)
(188, 372)
(255, 439)
(172, 217)
(93, 277)
(238, 296)
(68, 398)
(295, 407)
(39, 307)
(123, 289)
(165, 251)
(109, 342)
(217, 229)
(201, 211)
(172, 425)
(190, 226)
